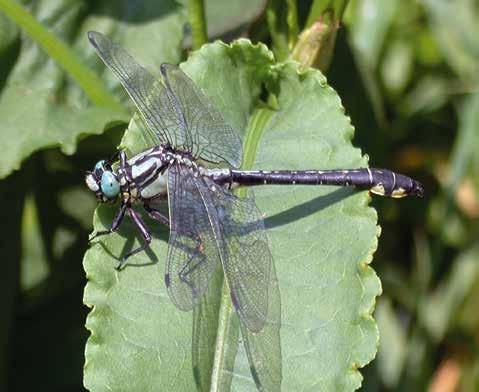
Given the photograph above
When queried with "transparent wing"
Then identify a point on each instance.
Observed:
(263, 348)
(208, 135)
(204, 331)
(149, 94)
(244, 251)
(175, 109)
(193, 253)
(208, 224)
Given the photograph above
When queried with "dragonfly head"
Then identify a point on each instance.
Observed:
(104, 182)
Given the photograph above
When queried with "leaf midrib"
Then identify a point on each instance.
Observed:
(254, 131)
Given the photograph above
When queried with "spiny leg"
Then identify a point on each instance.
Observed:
(114, 225)
(195, 262)
(156, 214)
(145, 232)
(122, 158)
(114, 157)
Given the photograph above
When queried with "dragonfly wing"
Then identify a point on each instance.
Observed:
(207, 224)
(148, 93)
(208, 135)
(244, 252)
(192, 249)
(264, 347)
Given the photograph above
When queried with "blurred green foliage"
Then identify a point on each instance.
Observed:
(407, 74)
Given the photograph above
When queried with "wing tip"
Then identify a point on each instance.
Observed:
(92, 35)
(165, 66)
(167, 280)
(97, 39)
(237, 161)
(255, 376)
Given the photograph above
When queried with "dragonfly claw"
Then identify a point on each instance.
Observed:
(121, 264)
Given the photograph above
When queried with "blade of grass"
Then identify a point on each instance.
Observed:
(62, 54)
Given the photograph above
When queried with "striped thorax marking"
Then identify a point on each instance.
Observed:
(148, 171)
(145, 174)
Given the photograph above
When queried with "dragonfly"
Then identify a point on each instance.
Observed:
(209, 225)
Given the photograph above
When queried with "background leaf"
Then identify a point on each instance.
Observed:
(72, 117)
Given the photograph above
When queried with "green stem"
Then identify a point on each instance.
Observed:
(62, 54)
(335, 8)
(197, 18)
(276, 16)
(292, 21)
(315, 45)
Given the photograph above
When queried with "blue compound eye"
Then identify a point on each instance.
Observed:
(99, 165)
(109, 185)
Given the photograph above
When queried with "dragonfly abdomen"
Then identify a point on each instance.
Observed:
(379, 181)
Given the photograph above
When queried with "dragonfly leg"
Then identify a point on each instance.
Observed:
(194, 263)
(114, 157)
(114, 225)
(122, 157)
(156, 215)
(145, 232)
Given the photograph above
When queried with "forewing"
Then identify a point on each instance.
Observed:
(208, 135)
(192, 248)
(244, 252)
(263, 348)
(149, 94)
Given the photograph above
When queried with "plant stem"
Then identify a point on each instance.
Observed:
(276, 17)
(292, 21)
(315, 45)
(197, 19)
(320, 8)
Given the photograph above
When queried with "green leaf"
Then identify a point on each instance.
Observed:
(40, 105)
(463, 162)
(369, 25)
(393, 349)
(322, 240)
(25, 130)
(227, 18)
(34, 264)
(455, 27)
(371, 22)
(440, 309)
